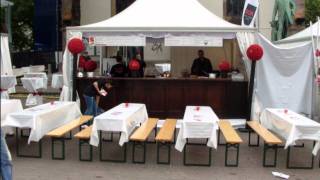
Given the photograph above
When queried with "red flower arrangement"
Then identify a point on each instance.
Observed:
(134, 65)
(224, 66)
(255, 52)
(90, 66)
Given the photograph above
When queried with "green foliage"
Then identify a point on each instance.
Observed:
(22, 25)
(312, 10)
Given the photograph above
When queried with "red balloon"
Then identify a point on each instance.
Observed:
(82, 62)
(134, 65)
(224, 66)
(90, 66)
(317, 53)
(75, 46)
(255, 52)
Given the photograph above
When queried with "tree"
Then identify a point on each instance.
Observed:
(22, 25)
(312, 10)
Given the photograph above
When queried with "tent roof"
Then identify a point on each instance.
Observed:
(5, 3)
(304, 35)
(163, 16)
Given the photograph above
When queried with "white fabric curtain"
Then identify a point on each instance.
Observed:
(66, 93)
(284, 77)
(6, 65)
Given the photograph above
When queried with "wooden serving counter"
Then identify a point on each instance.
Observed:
(168, 97)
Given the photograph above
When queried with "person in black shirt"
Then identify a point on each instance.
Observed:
(119, 69)
(92, 95)
(201, 66)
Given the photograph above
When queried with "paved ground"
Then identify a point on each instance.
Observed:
(250, 167)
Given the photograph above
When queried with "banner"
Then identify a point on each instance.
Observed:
(250, 12)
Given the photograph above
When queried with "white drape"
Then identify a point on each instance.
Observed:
(6, 65)
(284, 77)
(67, 65)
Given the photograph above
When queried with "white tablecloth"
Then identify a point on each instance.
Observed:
(43, 118)
(119, 119)
(7, 81)
(291, 126)
(38, 75)
(9, 106)
(198, 122)
(57, 81)
(33, 84)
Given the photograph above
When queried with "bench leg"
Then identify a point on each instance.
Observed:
(193, 164)
(82, 143)
(137, 144)
(168, 147)
(228, 146)
(299, 167)
(19, 154)
(266, 147)
(122, 160)
(62, 140)
(249, 142)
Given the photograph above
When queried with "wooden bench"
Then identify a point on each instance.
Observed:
(270, 141)
(59, 133)
(84, 137)
(232, 140)
(165, 137)
(140, 136)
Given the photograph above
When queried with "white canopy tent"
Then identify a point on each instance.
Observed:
(178, 22)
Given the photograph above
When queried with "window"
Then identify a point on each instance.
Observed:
(233, 10)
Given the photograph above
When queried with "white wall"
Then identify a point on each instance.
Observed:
(215, 6)
(265, 17)
(94, 11)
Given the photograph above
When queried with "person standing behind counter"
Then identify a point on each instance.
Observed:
(201, 66)
(119, 69)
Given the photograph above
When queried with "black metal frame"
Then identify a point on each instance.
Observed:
(122, 160)
(249, 141)
(228, 146)
(299, 167)
(166, 145)
(62, 140)
(81, 143)
(39, 155)
(193, 164)
(144, 147)
(266, 147)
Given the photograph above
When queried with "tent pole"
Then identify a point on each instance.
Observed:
(251, 86)
(74, 75)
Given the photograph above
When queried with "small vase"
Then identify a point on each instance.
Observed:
(224, 74)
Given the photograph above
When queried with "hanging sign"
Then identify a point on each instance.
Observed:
(250, 12)
(194, 41)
